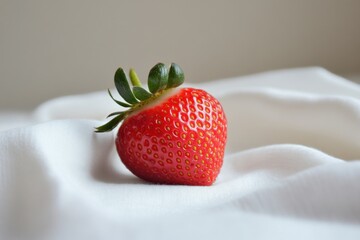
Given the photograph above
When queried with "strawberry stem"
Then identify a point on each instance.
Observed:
(159, 80)
(134, 78)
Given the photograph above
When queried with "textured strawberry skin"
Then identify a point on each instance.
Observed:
(179, 141)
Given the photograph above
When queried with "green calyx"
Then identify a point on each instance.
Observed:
(160, 79)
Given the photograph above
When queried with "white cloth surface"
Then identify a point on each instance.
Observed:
(291, 169)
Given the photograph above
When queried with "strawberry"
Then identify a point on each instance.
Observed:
(168, 135)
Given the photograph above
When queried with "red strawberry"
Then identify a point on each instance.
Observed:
(170, 136)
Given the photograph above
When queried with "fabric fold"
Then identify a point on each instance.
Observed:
(292, 158)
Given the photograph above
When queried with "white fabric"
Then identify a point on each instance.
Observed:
(291, 169)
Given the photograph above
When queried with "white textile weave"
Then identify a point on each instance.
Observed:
(291, 169)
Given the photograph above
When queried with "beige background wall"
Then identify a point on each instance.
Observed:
(53, 48)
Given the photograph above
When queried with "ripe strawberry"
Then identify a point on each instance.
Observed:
(170, 136)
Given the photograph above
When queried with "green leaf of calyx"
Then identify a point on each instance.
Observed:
(114, 113)
(158, 77)
(111, 124)
(118, 102)
(141, 93)
(123, 87)
(176, 76)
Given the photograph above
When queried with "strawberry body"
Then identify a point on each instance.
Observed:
(168, 136)
(180, 140)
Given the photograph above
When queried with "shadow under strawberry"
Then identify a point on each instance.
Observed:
(103, 170)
